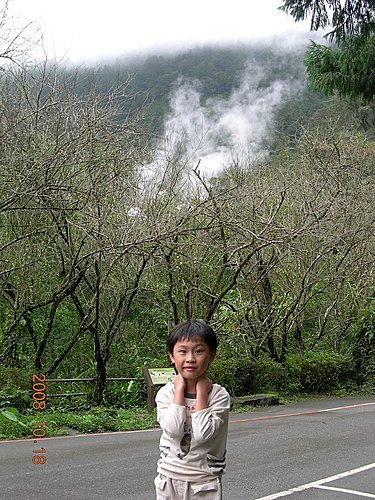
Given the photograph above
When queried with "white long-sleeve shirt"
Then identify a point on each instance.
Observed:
(193, 443)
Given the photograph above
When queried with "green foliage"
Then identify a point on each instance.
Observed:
(99, 419)
(95, 420)
(352, 17)
(347, 70)
(363, 343)
(12, 430)
(11, 414)
(269, 376)
(318, 371)
(242, 376)
(17, 377)
(15, 389)
(125, 394)
(235, 374)
(19, 398)
(292, 116)
(313, 372)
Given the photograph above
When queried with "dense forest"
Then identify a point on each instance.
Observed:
(103, 248)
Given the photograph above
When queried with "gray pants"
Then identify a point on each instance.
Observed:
(174, 489)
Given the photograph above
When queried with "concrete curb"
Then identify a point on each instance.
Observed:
(256, 400)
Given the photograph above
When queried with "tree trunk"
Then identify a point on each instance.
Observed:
(101, 373)
(298, 338)
(265, 308)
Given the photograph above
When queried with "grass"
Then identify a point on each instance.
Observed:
(60, 423)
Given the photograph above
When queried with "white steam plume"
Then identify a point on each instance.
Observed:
(223, 129)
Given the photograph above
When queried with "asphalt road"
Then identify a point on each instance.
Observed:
(270, 451)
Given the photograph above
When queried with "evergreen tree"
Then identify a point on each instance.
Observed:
(347, 67)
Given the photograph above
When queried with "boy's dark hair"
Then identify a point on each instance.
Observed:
(192, 329)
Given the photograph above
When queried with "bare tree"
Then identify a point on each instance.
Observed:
(272, 253)
(306, 284)
(69, 178)
(16, 41)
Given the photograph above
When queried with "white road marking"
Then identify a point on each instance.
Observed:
(318, 483)
(348, 406)
(343, 490)
(297, 414)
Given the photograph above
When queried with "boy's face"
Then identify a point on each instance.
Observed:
(191, 357)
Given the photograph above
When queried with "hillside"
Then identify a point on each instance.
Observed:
(216, 73)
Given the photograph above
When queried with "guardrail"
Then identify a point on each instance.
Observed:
(88, 379)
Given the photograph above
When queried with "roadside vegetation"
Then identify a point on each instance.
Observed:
(84, 419)
(125, 409)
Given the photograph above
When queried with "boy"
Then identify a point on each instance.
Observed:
(193, 415)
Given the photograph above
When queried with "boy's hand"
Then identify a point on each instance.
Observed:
(179, 382)
(204, 384)
(179, 386)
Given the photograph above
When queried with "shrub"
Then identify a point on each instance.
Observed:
(271, 376)
(125, 394)
(235, 374)
(21, 379)
(242, 376)
(13, 430)
(15, 389)
(363, 344)
(17, 398)
(319, 371)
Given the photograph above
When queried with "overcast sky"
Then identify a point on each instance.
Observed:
(84, 30)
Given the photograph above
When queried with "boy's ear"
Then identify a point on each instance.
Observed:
(213, 356)
(171, 357)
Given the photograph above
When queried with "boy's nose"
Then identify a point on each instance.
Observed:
(190, 356)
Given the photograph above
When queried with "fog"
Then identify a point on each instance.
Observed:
(92, 31)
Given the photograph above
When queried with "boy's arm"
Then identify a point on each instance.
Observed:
(207, 421)
(170, 415)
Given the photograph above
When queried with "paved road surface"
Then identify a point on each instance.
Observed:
(310, 446)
